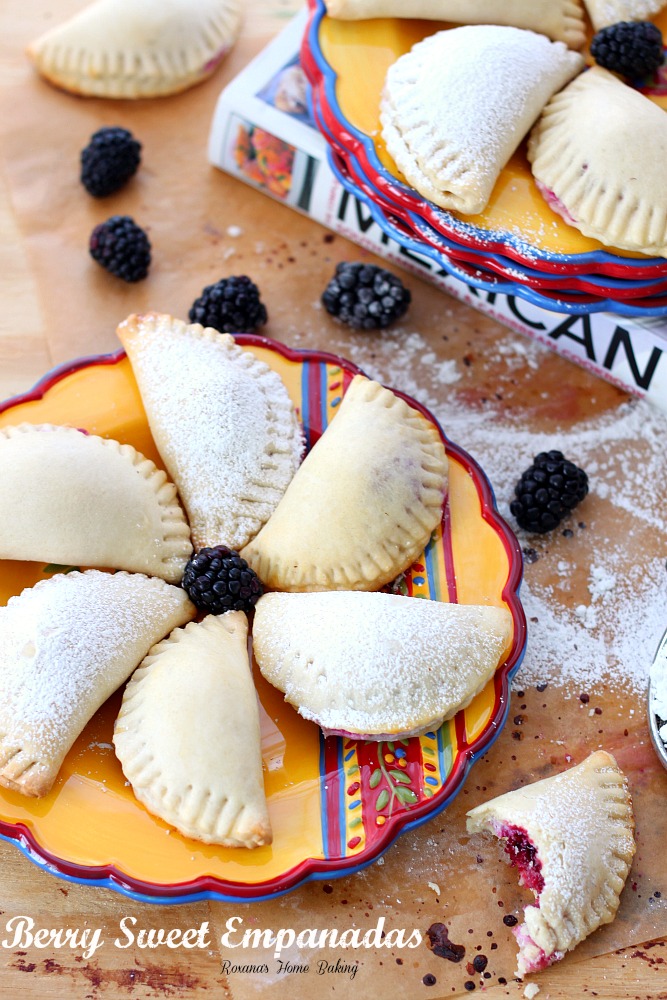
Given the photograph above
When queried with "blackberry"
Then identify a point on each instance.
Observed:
(231, 305)
(121, 247)
(217, 580)
(109, 160)
(547, 491)
(365, 297)
(631, 48)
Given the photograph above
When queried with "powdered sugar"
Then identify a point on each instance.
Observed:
(596, 603)
(67, 644)
(223, 423)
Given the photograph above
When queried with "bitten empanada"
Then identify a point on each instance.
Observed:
(561, 20)
(598, 155)
(188, 735)
(377, 666)
(571, 837)
(66, 644)
(364, 502)
(137, 48)
(77, 499)
(448, 133)
(605, 12)
(222, 422)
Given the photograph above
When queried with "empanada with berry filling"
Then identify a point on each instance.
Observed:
(190, 707)
(598, 155)
(222, 422)
(77, 499)
(137, 48)
(561, 20)
(571, 837)
(605, 12)
(377, 666)
(448, 133)
(364, 502)
(66, 644)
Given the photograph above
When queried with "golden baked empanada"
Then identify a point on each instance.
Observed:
(561, 20)
(571, 837)
(66, 644)
(77, 499)
(450, 135)
(189, 708)
(137, 48)
(364, 502)
(222, 421)
(605, 12)
(598, 155)
(377, 666)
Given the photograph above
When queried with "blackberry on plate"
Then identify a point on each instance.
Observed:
(121, 247)
(547, 491)
(365, 297)
(231, 305)
(217, 579)
(109, 160)
(631, 48)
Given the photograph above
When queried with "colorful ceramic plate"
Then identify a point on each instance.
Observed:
(603, 287)
(518, 223)
(572, 303)
(335, 804)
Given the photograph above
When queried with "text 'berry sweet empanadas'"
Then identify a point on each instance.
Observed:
(449, 133)
(222, 421)
(561, 20)
(598, 155)
(77, 499)
(188, 735)
(137, 48)
(364, 502)
(66, 644)
(605, 12)
(377, 665)
(571, 837)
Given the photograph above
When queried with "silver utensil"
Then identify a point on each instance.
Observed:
(658, 669)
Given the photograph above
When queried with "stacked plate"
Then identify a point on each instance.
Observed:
(518, 245)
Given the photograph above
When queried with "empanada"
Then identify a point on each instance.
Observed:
(188, 734)
(77, 499)
(364, 502)
(222, 421)
(137, 48)
(571, 837)
(598, 155)
(561, 20)
(605, 12)
(377, 666)
(66, 644)
(450, 134)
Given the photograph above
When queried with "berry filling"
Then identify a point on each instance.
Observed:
(523, 855)
(532, 958)
(555, 204)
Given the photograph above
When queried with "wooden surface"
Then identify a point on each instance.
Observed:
(291, 258)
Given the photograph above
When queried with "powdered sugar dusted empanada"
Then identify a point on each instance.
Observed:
(222, 421)
(137, 48)
(364, 502)
(451, 134)
(605, 12)
(77, 499)
(584, 157)
(377, 665)
(188, 734)
(66, 644)
(571, 837)
(561, 20)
